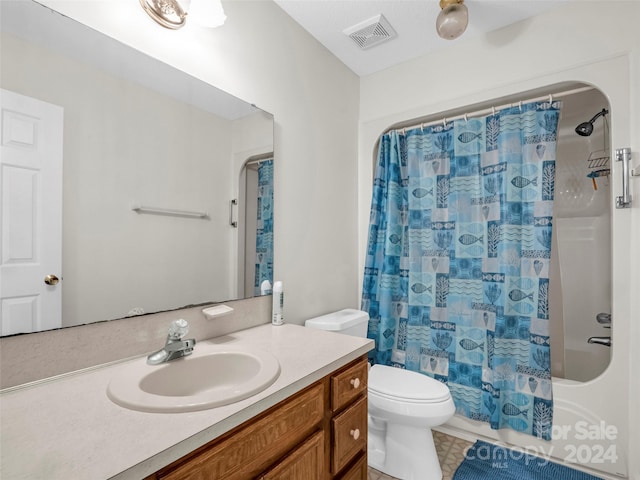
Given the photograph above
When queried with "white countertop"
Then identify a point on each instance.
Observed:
(69, 429)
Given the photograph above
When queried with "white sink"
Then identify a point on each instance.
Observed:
(210, 377)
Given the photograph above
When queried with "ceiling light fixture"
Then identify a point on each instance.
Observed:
(171, 14)
(453, 19)
(207, 13)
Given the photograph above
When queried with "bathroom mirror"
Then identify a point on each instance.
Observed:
(152, 162)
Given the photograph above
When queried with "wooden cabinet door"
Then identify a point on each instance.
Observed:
(358, 471)
(304, 463)
(247, 452)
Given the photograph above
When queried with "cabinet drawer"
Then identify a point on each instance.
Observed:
(251, 449)
(358, 471)
(349, 434)
(304, 463)
(348, 384)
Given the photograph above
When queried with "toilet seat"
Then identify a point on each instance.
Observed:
(404, 385)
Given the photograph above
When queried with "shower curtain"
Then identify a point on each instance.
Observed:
(456, 274)
(264, 230)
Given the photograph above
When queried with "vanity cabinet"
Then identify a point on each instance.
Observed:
(318, 433)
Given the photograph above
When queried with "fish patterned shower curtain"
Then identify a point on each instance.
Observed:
(264, 230)
(456, 279)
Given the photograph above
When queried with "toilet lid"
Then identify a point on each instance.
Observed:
(405, 384)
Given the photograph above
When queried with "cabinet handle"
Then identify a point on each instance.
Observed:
(355, 382)
(355, 433)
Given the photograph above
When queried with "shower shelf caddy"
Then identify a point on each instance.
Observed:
(598, 160)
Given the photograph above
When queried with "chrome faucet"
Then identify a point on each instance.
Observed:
(175, 347)
(603, 319)
(600, 340)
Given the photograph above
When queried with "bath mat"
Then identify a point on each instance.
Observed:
(485, 460)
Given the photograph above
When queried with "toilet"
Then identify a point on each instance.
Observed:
(403, 407)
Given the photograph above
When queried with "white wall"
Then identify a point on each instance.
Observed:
(595, 42)
(263, 57)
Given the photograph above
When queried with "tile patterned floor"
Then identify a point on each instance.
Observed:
(450, 451)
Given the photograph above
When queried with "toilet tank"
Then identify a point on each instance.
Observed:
(348, 321)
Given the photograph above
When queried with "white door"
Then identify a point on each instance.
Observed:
(30, 214)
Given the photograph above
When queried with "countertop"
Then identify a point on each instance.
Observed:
(67, 428)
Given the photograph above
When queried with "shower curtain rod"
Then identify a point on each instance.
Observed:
(479, 113)
(259, 159)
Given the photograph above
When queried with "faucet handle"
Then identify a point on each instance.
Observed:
(178, 329)
(604, 319)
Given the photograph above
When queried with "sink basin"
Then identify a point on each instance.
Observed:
(208, 378)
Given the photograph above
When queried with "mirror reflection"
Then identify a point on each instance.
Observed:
(135, 185)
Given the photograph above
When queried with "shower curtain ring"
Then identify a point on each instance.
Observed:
(444, 122)
(493, 110)
(466, 119)
(520, 105)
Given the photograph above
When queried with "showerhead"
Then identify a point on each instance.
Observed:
(586, 128)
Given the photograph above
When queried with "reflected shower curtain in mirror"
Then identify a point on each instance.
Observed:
(264, 230)
(456, 277)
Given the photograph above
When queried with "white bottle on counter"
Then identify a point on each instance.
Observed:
(278, 304)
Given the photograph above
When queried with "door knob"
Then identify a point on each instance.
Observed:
(51, 280)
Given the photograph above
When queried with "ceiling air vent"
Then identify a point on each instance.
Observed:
(371, 32)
